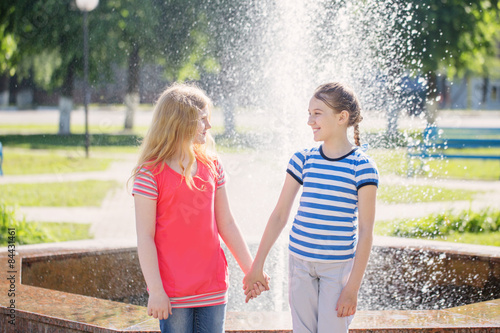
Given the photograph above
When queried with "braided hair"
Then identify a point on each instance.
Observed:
(340, 97)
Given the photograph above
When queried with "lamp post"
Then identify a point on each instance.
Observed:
(86, 6)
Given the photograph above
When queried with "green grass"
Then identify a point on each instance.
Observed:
(75, 129)
(23, 162)
(37, 232)
(421, 193)
(487, 238)
(394, 161)
(51, 141)
(464, 169)
(481, 227)
(62, 231)
(390, 161)
(68, 194)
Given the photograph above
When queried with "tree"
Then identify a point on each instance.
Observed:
(8, 47)
(50, 30)
(8, 54)
(231, 27)
(449, 37)
(122, 32)
(150, 31)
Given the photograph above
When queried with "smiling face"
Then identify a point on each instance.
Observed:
(322, 119)
(202, 127)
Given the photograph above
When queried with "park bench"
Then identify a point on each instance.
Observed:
(456, 142)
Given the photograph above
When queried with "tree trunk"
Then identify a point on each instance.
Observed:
(66, 101)
(228, 107)
(484, 99)
(432, 103)
(24, 97)
(132, 99)
(392, 120)
(445, 94)
(468, 84)
(228, 99)
(4, 89)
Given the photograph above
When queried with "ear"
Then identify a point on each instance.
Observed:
(343, 117)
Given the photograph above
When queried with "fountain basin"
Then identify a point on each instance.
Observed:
(63, 286)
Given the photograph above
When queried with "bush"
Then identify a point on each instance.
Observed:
(38, 232)
(26, 232)
(442, 225)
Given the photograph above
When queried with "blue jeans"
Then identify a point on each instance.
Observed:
(207, 319)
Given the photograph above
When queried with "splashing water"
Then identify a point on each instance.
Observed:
(303, 44)
(289, 49)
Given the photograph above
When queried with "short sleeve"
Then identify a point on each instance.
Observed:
(145, 184)
(221, 175)
(366, 173)
(296, 166)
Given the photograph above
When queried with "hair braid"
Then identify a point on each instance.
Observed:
(356, 135)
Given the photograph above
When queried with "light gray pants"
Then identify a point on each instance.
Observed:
(314, 290)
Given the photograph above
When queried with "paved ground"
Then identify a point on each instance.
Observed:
(255, 180)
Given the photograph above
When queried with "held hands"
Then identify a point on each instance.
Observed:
(159, 305)
(254, 283)
(347, 303)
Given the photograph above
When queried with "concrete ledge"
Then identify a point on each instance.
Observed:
(38, 309)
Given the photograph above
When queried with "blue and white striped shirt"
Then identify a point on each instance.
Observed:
(325, 227)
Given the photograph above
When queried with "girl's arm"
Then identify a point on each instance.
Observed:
(145, 215)
(229, 230)
(277, 221)
(346, 305)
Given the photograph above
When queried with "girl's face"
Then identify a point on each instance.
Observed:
(202, 127)
(322, 119)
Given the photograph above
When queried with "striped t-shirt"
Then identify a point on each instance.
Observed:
(325, 227)
(192, 264)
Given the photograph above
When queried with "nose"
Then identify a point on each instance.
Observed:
(207, 124)
(310, 120)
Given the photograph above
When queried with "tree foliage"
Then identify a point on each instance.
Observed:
(450, 36)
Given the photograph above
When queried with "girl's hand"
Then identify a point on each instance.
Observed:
(258, 288)
(254, 282)
(159, 305)
(347, 303)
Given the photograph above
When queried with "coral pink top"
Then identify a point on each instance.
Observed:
(192, 264)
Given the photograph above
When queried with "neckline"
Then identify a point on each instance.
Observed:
(338, 158)
(181, 176)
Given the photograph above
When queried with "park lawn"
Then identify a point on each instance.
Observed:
(80, 129)
(464, 169)
(28, 128)
(472, 227)
(492, 238)
(421, 193)
(75, 129)
(487, 238)
(67, 194)
(390, 161)
(48, 232)
(37, 232)
(395, 161)
(58, 232)
(25, 162)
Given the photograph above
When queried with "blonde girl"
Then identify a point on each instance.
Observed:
(331, 236)
(181, 209)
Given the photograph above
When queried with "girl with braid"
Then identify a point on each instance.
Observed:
(331, 236)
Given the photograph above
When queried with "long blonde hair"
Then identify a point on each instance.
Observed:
(172, 131)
